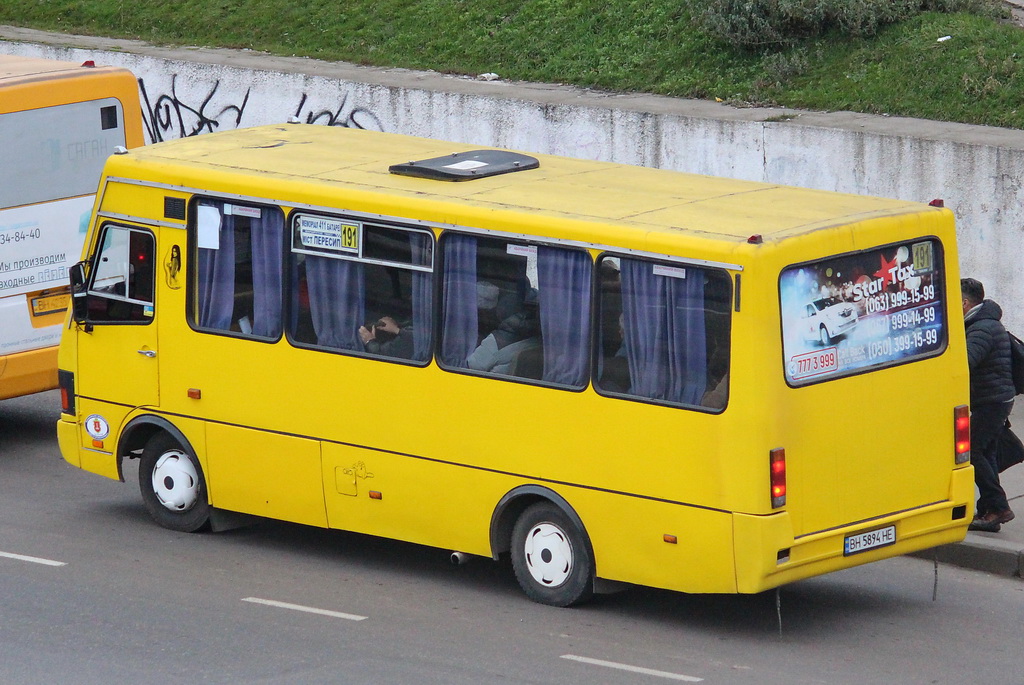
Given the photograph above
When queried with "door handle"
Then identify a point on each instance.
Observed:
(148, 353)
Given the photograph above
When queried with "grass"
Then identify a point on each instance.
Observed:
(653, 47)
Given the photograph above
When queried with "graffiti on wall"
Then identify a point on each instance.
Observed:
(352, 117)
(168, 115)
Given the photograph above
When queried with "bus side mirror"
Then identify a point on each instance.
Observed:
(78, 303)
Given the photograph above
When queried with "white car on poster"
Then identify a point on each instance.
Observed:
(827, 318)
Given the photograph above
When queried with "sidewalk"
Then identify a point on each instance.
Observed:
(1016, 8)
(1002, 552)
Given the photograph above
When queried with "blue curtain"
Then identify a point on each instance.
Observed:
(217, 275)
(267, 246)
(460, 327)
(294, 288)
(666, 346)
(564, 291)
(336, 294)
(422, 297)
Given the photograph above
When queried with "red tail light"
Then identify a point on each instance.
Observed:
(962, 434)
(777, 468)
(66, 383)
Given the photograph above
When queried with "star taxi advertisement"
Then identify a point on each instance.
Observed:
(855, 312)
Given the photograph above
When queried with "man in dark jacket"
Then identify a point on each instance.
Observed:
(992, 393)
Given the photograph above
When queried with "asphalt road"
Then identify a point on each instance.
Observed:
(91, 591)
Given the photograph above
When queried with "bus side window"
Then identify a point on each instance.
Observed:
(516, 310)
(238, 273)
(398, 298)
(664, 332)
(123, 275)
(370, 293)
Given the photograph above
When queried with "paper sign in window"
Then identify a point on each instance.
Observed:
(670, 271)
(237, 210)
(522, 250)
(208, 228)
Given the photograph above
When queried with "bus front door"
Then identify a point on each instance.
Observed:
(117, 343)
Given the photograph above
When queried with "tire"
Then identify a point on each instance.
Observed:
(826, 339)
(173, 486)
(551, 558)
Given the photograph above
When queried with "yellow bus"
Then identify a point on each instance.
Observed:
(58, 123)
(611, 374)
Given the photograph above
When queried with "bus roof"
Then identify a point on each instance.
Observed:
(573, 190)
(16, 69)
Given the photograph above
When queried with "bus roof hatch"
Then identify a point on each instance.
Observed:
(466, 166)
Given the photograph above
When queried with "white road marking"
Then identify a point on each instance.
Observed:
(308, 610)
(34, 560)
(633, 669)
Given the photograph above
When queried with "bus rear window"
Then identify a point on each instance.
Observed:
(855, 312)
(59, 150)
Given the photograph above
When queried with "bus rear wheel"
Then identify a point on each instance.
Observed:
(550, 557)
(173, 486)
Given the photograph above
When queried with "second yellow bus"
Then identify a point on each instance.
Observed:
(59, 121)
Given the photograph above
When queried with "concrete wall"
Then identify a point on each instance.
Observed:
(978, 171)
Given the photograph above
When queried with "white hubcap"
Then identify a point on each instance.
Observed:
(548, 554)
(175, 481)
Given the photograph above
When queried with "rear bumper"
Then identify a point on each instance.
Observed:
(781, 559)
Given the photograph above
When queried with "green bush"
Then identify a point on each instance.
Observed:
(759, 24)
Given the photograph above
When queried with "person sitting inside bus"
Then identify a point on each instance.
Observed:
(487, 295)
(388, 338)
(517, 332)
(615, 369)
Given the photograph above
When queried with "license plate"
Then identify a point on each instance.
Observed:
(872, 539)
(49, 305)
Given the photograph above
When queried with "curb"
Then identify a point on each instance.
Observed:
(980, 552)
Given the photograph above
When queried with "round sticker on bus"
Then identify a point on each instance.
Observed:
(97, 427)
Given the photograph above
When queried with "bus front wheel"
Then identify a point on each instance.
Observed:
(173, 486)
(550, 557)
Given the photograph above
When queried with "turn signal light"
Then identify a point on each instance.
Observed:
(777, 469)
(962, 434)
